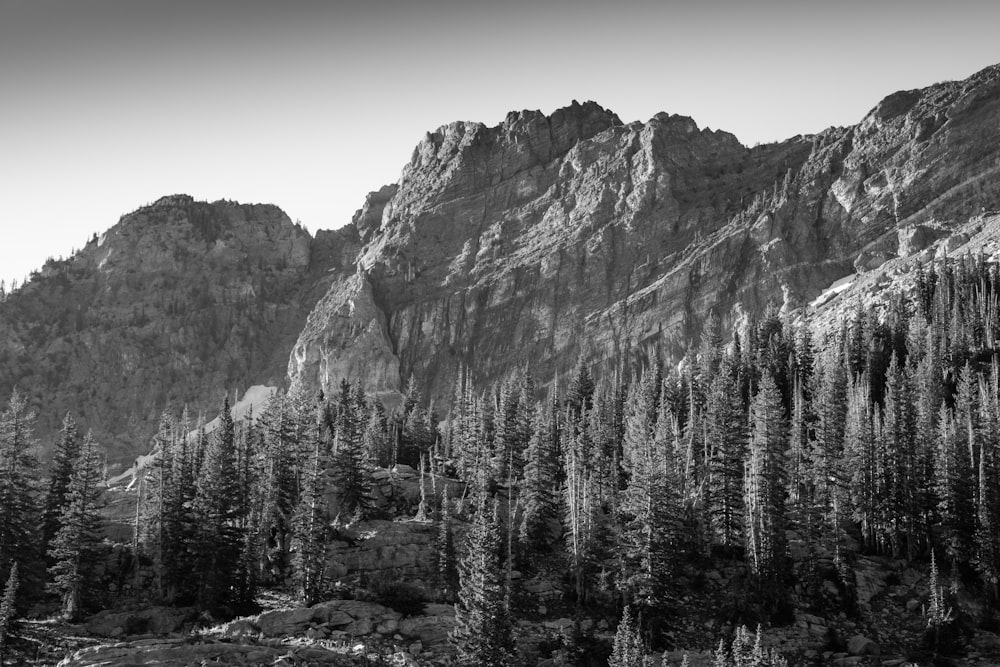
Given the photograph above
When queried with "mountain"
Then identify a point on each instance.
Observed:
(550, 237)
(177, 304)
(534, 242)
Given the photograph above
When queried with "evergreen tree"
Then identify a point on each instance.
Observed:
(219, 539)
(19, 515)
(75, 548)
(276, 496)
(8, 609)
(447, 569)
(375, 439)
(653, 514)
(66, 452)
(725, 432)
(483, 629)
(765, 483)
(352, 474)
(987, 539)
(539, 497)
(954, 487)
(627, 650)
(831, 412)
(580, 396)
(310, 530)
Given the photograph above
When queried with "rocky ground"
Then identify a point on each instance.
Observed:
(872, 611)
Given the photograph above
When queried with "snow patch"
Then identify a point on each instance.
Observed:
(833, 290)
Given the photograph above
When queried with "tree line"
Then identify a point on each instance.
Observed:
(880, 435)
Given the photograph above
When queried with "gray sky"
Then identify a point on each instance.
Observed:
(107, 105)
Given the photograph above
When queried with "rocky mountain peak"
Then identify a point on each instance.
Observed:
(509, 245)
(180, 302)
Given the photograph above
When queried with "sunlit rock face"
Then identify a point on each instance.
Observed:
(548, 237)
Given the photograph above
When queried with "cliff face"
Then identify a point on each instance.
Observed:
(177, 304)
(548, 237)
(528, 243)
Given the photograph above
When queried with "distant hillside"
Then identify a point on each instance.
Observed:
(178, 303)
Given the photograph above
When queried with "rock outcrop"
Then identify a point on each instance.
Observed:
(547, 237)
(186, 652)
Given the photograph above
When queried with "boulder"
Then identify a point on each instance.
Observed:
(915, 238)
(284, 623)
(430, 630)
(861, 645)
(361, 627)
(152, 620)
(951, 244)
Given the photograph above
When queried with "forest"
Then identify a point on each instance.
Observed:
(763, 448)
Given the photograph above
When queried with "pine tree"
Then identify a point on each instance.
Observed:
(375, 438)
(954, 487)
(627, 650)
(276, 496)
(765, 483)
(75, 547)
(310, 530)
(483, 628)
(580, 396)
(66, 452)
(653, 513)
(447, 567)
(539, 497)
(219, 540)
(19, 515)
(725, 432)
(351, 473)
(987, 540)
(863, 461)
(831, 411)
(8, 610)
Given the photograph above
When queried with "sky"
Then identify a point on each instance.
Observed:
(107, 105)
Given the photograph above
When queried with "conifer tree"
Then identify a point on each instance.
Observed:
(987, 540)
(75, 547)
(276, 497)
(653, 514)
(483, 630)
(310, 530)
(580, 396)
(66, 452)
(831, 411)
(899, 464)
(954, 487)
(375, 439)
(765, 483)
(352, 475)
(8, 609)
(627, 650)
(725, 432)
(219, 539)
(19, 513)
(540, 499)
(447, 567)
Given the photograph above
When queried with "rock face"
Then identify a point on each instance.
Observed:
(529, 243)
(547, 237)
(179, 303)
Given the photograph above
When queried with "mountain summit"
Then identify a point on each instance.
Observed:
(512, 245)
(498, 247)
